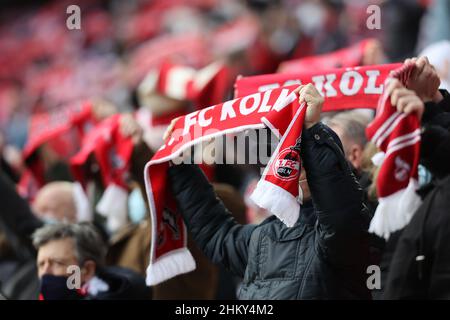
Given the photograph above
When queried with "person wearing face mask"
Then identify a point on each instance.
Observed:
(323, 256)
(70, 263)
(55, 202)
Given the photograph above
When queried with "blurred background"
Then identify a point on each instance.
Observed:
(44, 65)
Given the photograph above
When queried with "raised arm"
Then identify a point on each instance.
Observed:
(212, 226)
(336, 194)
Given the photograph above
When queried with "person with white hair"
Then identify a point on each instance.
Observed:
(350, 126)
(62, 201)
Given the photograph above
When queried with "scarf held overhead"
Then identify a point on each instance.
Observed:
(397, 135)
(345, 88)
(112, 152)
(277, 190)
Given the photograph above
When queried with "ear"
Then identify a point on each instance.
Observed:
(88, 271)
(355, 156)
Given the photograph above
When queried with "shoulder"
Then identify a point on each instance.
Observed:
(320, 133)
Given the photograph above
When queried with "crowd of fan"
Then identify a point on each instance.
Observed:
(48, 224)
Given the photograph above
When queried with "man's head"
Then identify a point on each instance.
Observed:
(55, 202)
(62, 245)
(350, 127)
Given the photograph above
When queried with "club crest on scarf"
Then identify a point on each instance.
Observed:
(287, 166)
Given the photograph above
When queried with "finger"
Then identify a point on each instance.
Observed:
(306, 88)
(308, 98)
(302, 96)
(404, 100)
(433, 67)
(397, 93)
(414, 106)
(169, 129)
(420, 65)
(403, 92)
(297, 90)
(410, 60)
(313, 100)
(423, 60)
(400, 104)
(310, 88)
(166, 134)
(392, 84)
(410, 107)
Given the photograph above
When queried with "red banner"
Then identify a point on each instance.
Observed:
(347, 88)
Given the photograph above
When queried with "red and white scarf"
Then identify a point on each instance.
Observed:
(345, 88)
(277, 190)
(62, 130)
(112, 152)
(398, 137)
(207, 85)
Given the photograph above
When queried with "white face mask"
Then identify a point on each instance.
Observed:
(49, 220)
(424, 175)
(137, 209)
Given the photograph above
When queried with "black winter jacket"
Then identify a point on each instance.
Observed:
(323, 256)
(420, 267)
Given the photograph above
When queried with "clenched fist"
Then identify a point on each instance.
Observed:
(405, 100)
(424, 80)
